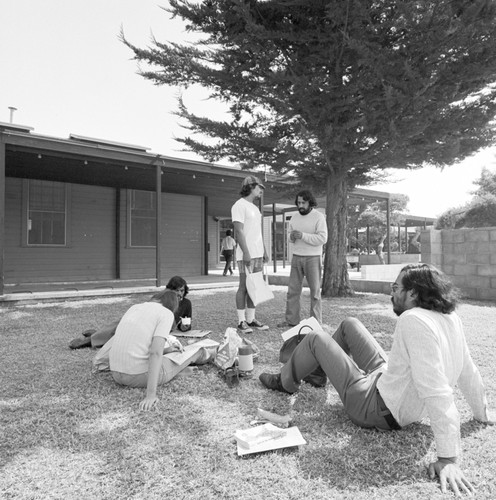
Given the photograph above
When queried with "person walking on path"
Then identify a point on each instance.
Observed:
(428, 358)
(250, 251)
(308, 234)
(227, 249)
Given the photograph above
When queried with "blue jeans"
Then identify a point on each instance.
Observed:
(311, 268)
(355, 380)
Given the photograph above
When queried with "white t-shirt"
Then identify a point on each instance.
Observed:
(130, 350)
(249, 215)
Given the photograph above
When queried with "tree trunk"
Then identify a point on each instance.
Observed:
(336, 281)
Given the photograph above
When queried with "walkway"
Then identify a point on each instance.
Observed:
(214, 279)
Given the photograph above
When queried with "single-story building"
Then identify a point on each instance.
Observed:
(87, 212)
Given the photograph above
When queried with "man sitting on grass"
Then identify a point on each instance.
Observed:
(428, 358)
(182, 317)
(142, 337)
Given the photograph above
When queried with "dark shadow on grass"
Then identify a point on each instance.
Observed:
(354, 458)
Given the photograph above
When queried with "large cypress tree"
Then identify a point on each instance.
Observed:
(335, 91)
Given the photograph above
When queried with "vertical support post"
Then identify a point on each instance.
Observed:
(284, 241)
(388, 222)
(368, 239)
(2, 213)
(118, 233)
(206, 244)
(158, 209)
(399, 237)
(274, 236)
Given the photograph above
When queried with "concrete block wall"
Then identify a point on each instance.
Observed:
(386, 272)
(467, 256)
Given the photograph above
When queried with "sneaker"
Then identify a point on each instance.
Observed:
(259, 326)
(244, 328)
(272, 381)
(80, 343)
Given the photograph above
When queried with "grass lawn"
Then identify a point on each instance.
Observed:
(68, 433)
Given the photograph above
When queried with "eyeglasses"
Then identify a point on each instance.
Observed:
(394, 287)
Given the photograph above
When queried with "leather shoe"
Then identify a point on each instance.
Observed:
(284, 324)
(272, 381)
(80, 343)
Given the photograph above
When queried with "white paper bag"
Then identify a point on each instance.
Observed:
(258, 289)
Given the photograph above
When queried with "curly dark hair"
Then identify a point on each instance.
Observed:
(247, 189)
(176, 282)
(307, 196)
(433, 290)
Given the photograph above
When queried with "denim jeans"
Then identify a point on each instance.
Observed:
(353, 361)
(311, 268)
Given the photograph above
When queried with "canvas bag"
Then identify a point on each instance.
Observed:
(258, 289)
(292, 338)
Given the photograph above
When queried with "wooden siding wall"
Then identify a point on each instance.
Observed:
(182, 241)
(90, 253)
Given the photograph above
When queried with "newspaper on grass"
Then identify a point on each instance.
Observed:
(195, 334)
(267, 437)
(180, 357)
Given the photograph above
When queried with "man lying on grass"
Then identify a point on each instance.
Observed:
(428, 358)
(182, 317)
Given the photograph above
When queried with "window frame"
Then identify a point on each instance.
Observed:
(129, 210)
(26, 186)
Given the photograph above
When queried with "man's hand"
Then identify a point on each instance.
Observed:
(148, 403)
(247, 260)
(450, 473)
(296, 235)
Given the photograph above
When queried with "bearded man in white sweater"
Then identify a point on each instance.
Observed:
(308, 234)
(429, 357)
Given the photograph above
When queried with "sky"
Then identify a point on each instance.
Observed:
(66, 71)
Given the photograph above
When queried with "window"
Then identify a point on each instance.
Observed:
(46, 213)
(143, 220)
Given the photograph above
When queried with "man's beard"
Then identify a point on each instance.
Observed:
(304, 211)
(397, 309)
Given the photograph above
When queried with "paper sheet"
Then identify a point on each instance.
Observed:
(293, 438)
(180, 357)
(312, 322)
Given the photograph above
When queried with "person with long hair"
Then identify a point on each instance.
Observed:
(308, 235)
(250, 251)
(429, 357)
(182, 316)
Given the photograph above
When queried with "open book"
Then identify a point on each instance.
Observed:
(267, 437)
(194, 334)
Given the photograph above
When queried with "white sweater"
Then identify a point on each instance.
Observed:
(314, 229)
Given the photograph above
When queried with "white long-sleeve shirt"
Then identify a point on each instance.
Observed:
(313, 227)
(428, 358)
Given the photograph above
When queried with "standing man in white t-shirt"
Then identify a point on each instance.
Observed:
(250, 251)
